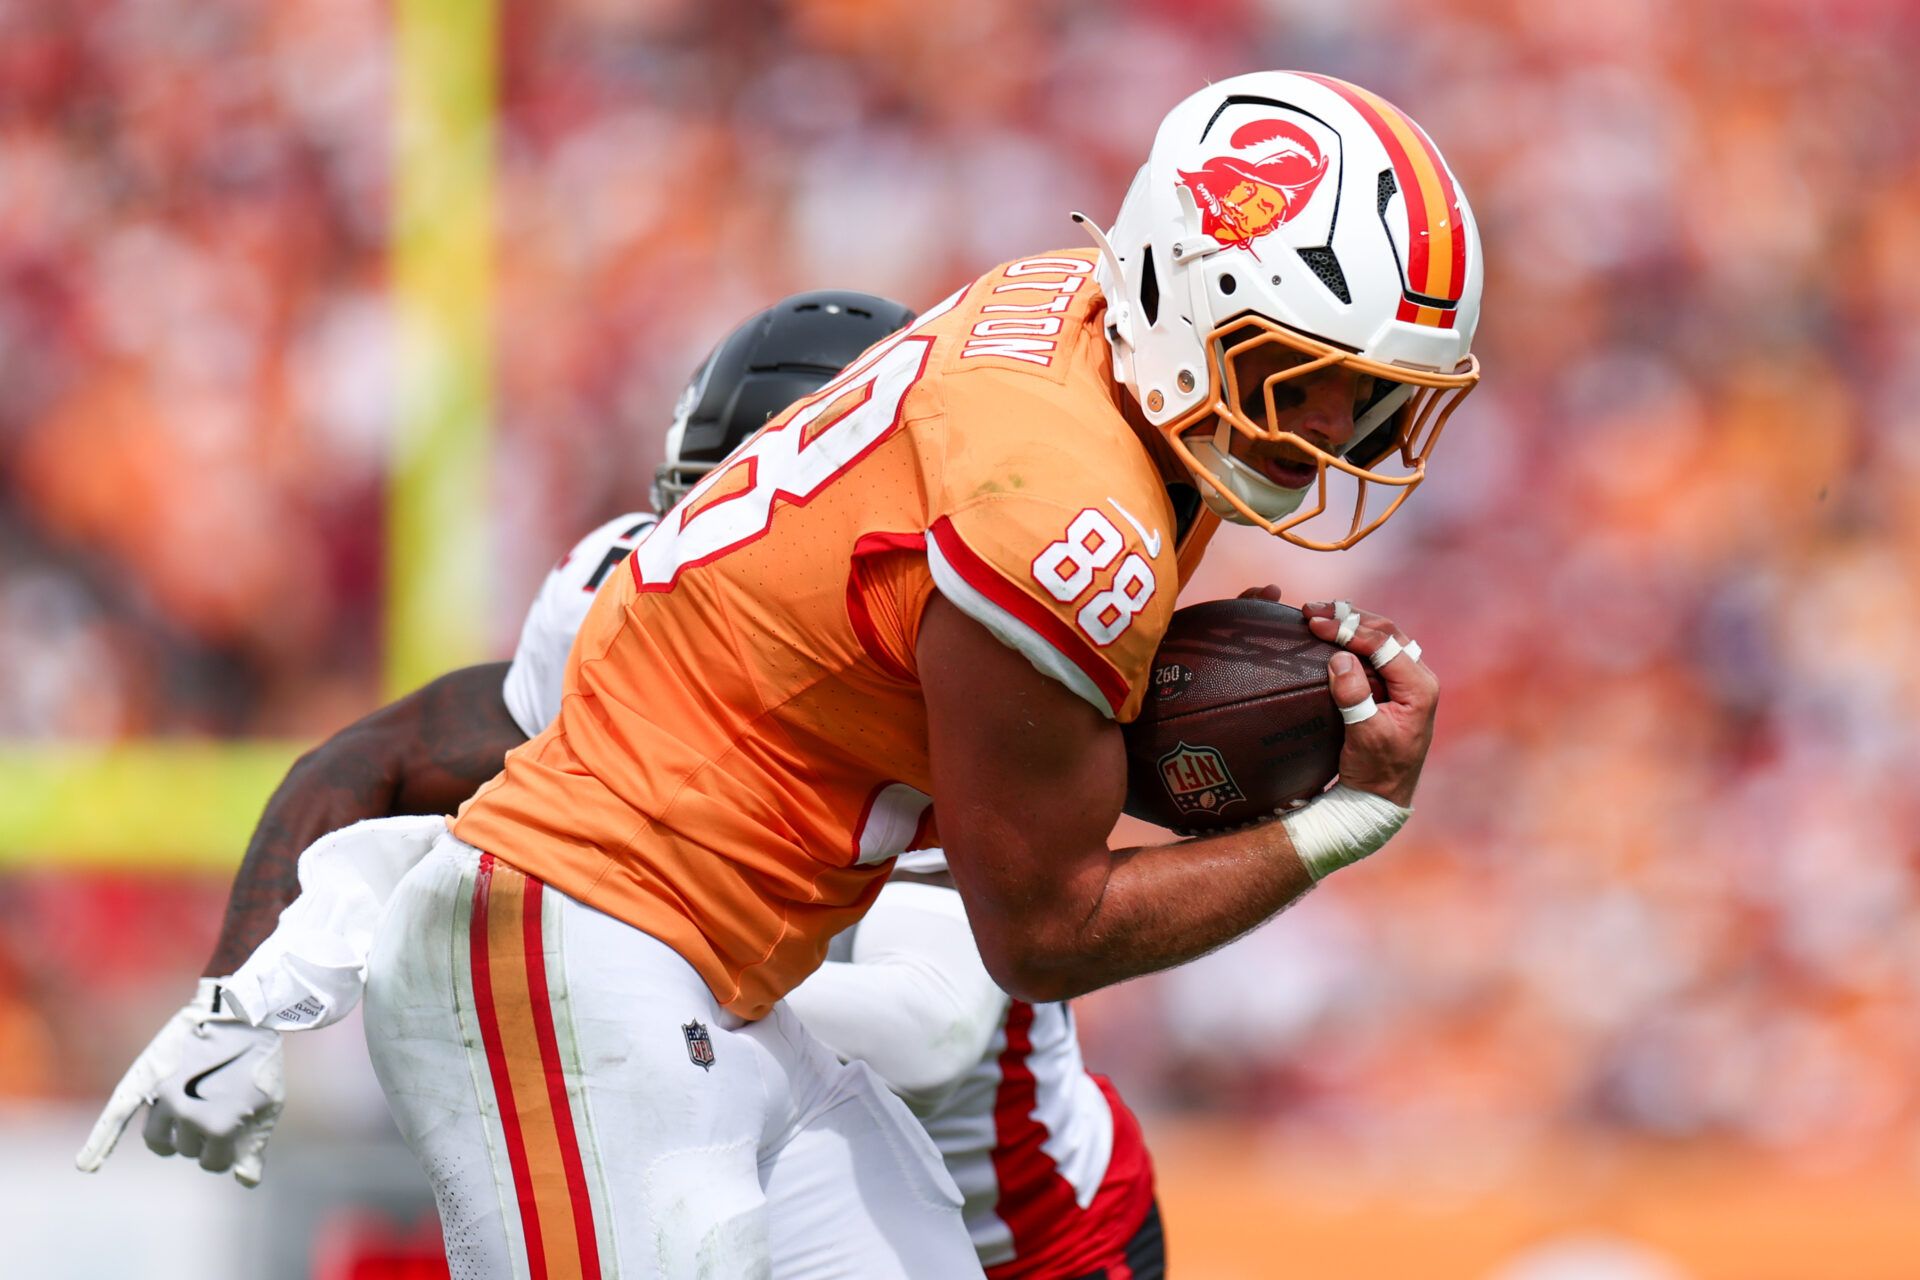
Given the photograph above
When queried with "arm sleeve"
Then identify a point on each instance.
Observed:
(312, 968)
(534, 680)
(916, 1002)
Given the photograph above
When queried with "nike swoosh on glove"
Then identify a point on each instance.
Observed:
(213, 1085)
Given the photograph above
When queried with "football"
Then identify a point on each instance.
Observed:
(1238, 720)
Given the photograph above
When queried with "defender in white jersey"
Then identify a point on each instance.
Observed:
(1051, 1163)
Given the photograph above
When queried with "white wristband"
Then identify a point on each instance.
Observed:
(1341, 827)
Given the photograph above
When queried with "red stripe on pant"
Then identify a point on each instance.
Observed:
(556, 1076)
(490, 1038)
(514, 1007)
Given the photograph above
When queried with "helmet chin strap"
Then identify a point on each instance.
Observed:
(1272, 501)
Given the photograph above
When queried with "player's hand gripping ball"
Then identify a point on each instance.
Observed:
(1238, 720)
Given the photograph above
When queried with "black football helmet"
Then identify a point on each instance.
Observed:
(788, 351)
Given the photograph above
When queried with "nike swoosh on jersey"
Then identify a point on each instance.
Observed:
(193, 1086)
(1151, 539)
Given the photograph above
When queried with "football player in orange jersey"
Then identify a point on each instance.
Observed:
(429, 751)
(965, 624)
(1053, 1166)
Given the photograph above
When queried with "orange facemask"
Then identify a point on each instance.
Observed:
(1411, 430)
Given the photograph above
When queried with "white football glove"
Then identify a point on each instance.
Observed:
(213, 1085)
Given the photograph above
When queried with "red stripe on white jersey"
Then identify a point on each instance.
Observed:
(1033, 1195)
(1058, 1229)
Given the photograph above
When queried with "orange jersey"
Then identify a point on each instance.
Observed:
(741, 748)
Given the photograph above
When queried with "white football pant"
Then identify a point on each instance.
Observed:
(585, 1109)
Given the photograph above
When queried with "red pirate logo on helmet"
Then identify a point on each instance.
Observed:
(1266, 183)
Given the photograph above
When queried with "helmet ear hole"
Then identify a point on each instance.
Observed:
(1149, 286)
(1326, 268)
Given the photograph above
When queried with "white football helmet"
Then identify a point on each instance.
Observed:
(1294, 209)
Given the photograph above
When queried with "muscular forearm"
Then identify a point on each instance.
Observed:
(423, 754)
(1029, 777)
(326, 789)
(1143, 909)
(1165, 905)
(1028, 780)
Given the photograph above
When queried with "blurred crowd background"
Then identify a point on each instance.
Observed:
(1661, 890)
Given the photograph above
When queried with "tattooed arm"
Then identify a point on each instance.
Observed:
(423, 754)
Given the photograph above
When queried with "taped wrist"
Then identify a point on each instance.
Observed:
(1342, 827)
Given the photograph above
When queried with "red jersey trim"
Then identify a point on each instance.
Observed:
(1043, 622)
(873, 544)
(689, 511)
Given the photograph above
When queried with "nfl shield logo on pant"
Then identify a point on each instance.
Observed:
(699, 1044)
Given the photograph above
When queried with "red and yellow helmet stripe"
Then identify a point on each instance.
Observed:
(1436, 233)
